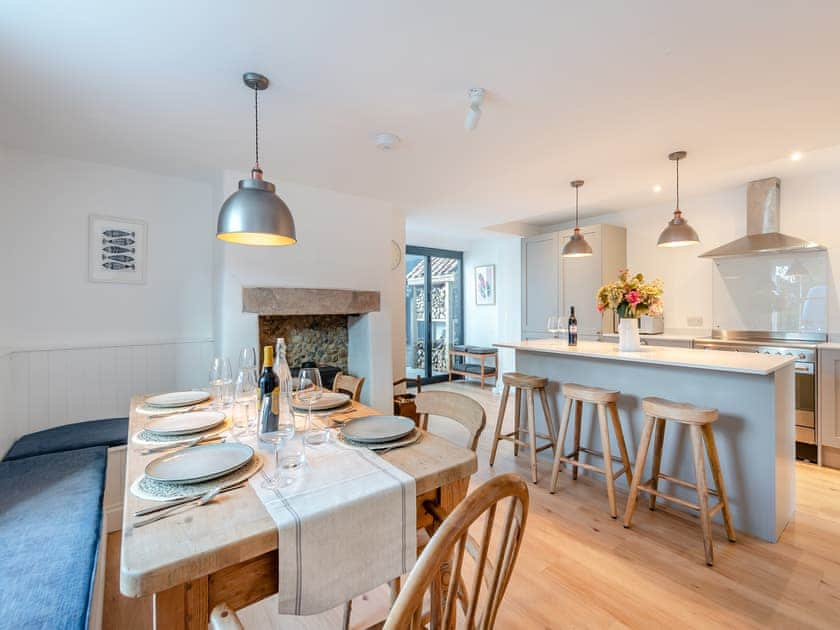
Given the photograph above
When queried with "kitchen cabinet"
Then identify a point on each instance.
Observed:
(551, 284)
(828, 384)
(656, 340)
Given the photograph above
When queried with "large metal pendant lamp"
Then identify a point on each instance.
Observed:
(254, 215)
(678, 232)
(576, 246)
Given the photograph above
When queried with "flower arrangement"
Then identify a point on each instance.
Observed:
(631, 296)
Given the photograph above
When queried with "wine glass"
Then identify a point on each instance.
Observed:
(277, 425)
(248, 358)
(245, 397)
(554, 325)
(309, 391)
(221, 379)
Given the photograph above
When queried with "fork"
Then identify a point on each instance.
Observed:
(195, 441)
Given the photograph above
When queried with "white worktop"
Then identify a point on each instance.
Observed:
(678, 357)
(662, 336)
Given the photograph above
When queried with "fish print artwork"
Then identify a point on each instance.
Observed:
(117, 250)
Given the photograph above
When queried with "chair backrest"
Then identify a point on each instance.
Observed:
(347, 384)
(418, 384)
(463, 409)
(481, 594)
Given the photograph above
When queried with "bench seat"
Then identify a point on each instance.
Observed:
(50, 528)
(108, 432)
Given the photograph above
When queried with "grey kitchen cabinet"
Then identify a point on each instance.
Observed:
(828, 384)
(551, 284)
(656, 340)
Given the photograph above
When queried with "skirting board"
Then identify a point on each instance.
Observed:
(830, 457)
(112, 501)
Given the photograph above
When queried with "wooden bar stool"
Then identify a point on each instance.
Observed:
(603, 399)
(528, 384)
(699, 422)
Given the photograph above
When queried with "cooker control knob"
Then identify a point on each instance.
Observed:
(801, 355)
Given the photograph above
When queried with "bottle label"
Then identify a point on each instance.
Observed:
(573, 329)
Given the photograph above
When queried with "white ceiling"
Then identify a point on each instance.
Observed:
(594, 90)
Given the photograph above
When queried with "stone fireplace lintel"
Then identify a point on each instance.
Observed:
(297, 301)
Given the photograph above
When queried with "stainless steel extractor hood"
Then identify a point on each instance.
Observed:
(763, 236)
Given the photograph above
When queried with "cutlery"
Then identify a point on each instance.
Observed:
(204, 499)
(185, 500)
(180, 411)
(195, 441)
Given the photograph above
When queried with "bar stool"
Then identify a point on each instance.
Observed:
(699, 422)
(603, 399)
(529, 385)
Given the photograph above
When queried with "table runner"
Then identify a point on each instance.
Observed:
(346, 526)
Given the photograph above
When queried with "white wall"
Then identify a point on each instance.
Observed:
(72, 342)
(344, 242)
(486, 325)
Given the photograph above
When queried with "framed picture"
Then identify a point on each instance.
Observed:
(485, 285)
(117, 250)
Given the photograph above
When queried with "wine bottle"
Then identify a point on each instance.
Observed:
(573, 335)
(268, 381)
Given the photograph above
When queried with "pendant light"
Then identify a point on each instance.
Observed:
(577, 246)
(254, 215)
(678, 232)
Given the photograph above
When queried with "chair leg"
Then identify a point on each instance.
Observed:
(348, 608)
(394, 587)
(576, 451)
(641, 457)
(517, 419)
(608, 469)
(499, 420)
(549, 420)
(658, 441)
(622, 446)
(717, 475)
(561, 441)
(532, 433)
(702, 491)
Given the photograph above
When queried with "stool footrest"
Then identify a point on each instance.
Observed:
(684, 483)
(572, 461)
(646, 487)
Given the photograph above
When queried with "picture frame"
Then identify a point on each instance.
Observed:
(117, 249)
(485, 285)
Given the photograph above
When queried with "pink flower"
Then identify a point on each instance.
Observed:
(600, 308)
(633, 297)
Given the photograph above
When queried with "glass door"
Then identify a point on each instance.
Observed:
(434, 308)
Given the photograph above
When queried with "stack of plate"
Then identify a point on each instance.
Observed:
(328, 401)
(380, 432)
(173, 400)
(198, 463)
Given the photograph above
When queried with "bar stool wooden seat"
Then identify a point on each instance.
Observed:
(699, 422)
(603, 399)
(528, 384)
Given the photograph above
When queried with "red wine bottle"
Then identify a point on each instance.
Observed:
(573, 335)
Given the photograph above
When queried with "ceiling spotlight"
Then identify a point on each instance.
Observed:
(796, 156)
(657, 188)
(386, 141)
(476, 96)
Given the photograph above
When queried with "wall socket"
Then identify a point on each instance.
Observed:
(695, 321)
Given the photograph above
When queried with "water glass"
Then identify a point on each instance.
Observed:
(221, 382)
(245, 398)
(310, 391)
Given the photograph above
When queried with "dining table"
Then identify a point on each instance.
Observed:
(227, 551)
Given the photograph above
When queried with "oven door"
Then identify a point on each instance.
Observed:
(806, 396)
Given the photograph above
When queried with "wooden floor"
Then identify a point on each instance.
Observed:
(578, 568)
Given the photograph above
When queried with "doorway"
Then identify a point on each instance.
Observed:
(434, 310)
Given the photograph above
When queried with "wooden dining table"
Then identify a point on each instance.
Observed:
(227, 550)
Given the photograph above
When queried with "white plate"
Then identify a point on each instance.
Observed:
(177, 399)
(186, 423)
(411, 438)
(328, 400)
(372, 429)
(199, 463)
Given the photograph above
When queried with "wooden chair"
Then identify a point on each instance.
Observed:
(350, 385)
(440, 568)
(462, 409)
(699, 423)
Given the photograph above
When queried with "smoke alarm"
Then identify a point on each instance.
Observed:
(386, 141)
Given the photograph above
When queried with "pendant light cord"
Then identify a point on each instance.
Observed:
(257, 129)
(678, 183)
(577, 190)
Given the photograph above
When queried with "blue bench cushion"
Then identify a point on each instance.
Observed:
(50, 524)
(108, 432)
(474, 349)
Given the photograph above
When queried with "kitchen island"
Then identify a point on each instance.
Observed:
(754, 394)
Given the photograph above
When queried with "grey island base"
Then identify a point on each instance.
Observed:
(753, 393)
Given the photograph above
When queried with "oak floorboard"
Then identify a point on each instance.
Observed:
(578, 568)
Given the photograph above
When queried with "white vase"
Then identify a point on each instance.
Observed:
(628, 335)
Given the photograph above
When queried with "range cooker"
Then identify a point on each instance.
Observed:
(802, 347)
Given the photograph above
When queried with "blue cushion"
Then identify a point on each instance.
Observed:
(108, 432)
(50, 523)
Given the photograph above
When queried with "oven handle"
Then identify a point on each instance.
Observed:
(804, 368)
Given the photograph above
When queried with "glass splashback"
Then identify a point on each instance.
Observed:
(774, 292)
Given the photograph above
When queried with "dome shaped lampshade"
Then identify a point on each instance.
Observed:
(677, 233)
(576, 246)
(255, 215)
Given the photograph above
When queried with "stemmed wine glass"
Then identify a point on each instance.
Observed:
(248, 358)
(309, 391)
(554, 325)
(245, 397)
(221, 380)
